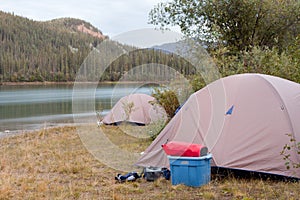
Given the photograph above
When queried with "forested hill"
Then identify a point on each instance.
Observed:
(44, 51)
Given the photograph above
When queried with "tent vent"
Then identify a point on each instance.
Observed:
(229, 112)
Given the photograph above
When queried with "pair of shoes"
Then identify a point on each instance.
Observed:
(132, 176)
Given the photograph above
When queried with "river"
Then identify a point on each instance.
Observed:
(28, 107)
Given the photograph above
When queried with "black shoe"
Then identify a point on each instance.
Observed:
(117, 178)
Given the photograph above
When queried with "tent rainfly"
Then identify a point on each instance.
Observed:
(135, 108)
(244, 120)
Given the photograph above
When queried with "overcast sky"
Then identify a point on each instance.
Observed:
(112, 17)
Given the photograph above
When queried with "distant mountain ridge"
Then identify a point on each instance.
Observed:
(78, 25)
(44, 51)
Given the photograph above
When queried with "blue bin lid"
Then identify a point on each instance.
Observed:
(208, 156)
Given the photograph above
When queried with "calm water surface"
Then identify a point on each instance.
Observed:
(30, 107)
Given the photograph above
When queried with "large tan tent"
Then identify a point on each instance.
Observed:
(242, 119)
(135, 108)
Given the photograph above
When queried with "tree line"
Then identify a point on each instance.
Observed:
(54, 51)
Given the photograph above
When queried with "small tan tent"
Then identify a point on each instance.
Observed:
(135, 108)
(242, 119)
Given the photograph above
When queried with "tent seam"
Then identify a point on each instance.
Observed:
(282, 101)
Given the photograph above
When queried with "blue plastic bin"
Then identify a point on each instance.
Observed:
(190, 171)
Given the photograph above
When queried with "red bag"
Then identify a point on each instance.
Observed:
(174, 148)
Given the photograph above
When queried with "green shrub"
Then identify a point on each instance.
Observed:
(284, 64)
(167, 99)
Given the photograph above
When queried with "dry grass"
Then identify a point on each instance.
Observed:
(54, 164)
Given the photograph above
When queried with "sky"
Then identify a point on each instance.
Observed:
(112, 17)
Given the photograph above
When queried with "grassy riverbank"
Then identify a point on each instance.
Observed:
(54, 164)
